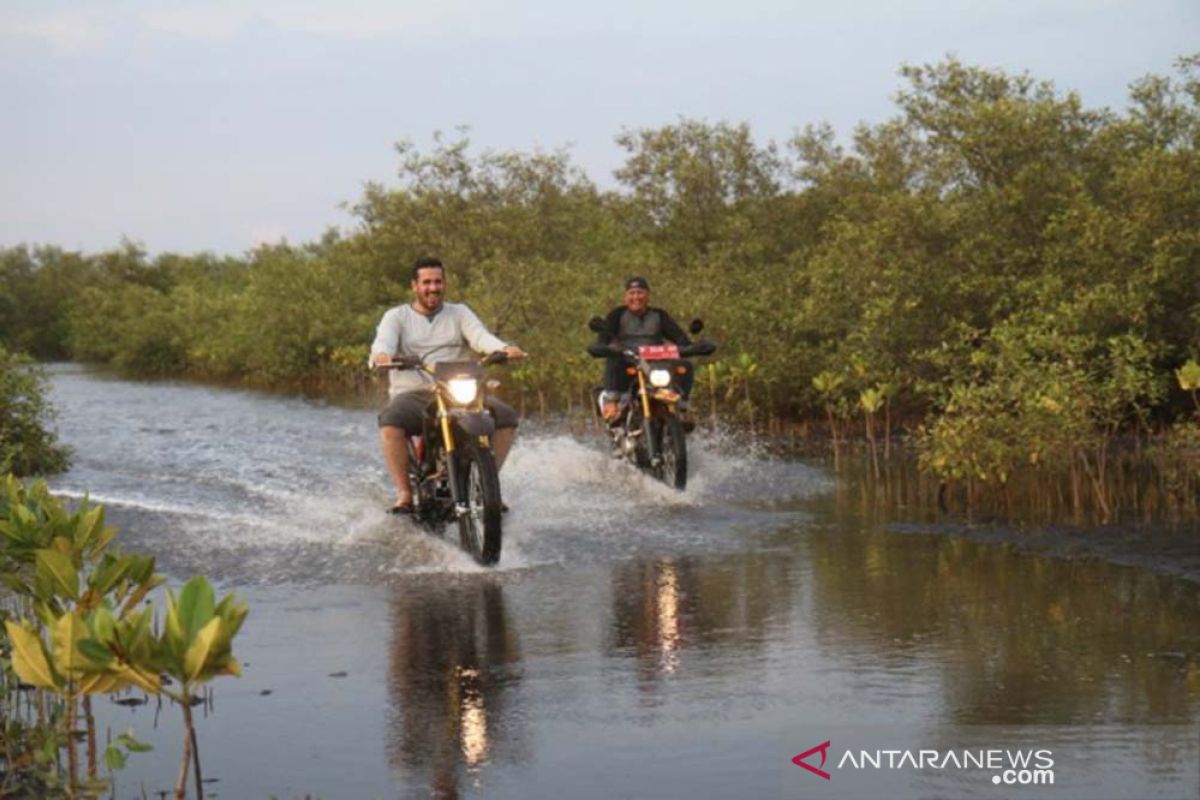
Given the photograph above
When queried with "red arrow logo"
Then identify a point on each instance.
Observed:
(799, 760)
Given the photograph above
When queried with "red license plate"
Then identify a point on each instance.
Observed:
(659, 352)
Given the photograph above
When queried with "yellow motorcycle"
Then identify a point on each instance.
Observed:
(451, 466)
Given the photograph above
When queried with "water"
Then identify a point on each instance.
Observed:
(634, 642)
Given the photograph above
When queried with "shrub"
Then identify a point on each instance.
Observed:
(27, 447)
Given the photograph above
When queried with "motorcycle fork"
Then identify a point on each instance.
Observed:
(647, 412)
(458, 479)
(448, 444)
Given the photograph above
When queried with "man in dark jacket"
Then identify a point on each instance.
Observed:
(631, 325)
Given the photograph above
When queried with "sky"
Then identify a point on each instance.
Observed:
(218, 126)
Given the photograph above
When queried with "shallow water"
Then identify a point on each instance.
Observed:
(634, 642)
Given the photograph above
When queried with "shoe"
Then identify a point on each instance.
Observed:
(401, 508)
(685, 419)
(611, 412)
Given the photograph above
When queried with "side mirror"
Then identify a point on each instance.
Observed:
(596, 324)
(696, 326)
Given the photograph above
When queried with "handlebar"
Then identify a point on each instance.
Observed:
(700, 348)
(402, 362)
(498, 357)
(416, 362)
(599, 350)
(612, 350)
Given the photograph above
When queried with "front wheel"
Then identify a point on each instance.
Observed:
(673, 452)
(479, 525)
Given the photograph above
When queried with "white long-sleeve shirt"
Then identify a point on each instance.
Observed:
(449, 335)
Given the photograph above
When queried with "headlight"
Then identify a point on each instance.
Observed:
(660, 377)
(463, 390)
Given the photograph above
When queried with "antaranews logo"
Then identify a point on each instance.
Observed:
(1009, 767)
(799, 760)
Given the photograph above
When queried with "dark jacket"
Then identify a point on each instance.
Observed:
(655, 326)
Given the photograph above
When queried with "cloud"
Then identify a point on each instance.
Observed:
(365, 22)
(347, 20)
(72, 31)
(64, 32)
(200, 23)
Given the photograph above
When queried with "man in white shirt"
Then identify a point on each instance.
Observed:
(435, 331)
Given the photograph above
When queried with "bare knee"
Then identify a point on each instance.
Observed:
(390, 433)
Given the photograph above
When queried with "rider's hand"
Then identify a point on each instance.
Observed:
(381, 359)
(514, 352)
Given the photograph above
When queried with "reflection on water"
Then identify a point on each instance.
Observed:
(667, 599)
(1016, 639)
(454, 662)
(647, 600)
(663, 607)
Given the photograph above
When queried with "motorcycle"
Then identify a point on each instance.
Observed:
(649, 432)
(451, 466)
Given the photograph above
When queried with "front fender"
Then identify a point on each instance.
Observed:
(473, 423)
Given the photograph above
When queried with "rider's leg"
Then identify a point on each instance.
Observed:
(506, 428)
(502, 442)
(395, 453)
(615, 384)
(403, 413)
(686, 381)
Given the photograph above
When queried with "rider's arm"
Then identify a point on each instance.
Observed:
(672, 331)
(387, 338)
(612, 326)
(477, 335)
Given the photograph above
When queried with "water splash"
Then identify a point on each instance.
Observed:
(257, 488)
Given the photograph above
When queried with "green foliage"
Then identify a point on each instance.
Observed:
(27, 447)
(130, 325)
(697, 187)
(116, 753)
(993, 215)
(90, 632)
(63, 564)
(36, 289)
(197, 637)
(871, 400)
(1189, 376)
(56, 557)
(1038, 395)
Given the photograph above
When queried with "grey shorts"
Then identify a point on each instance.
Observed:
(407, 411)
